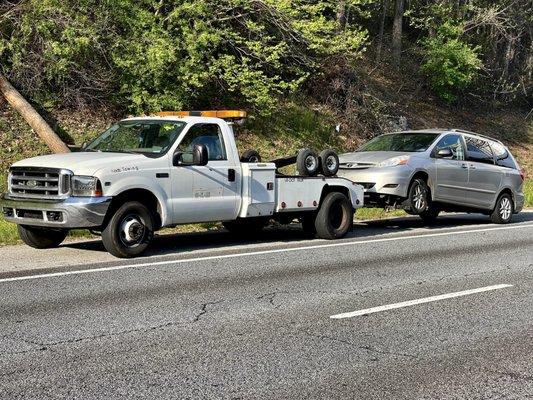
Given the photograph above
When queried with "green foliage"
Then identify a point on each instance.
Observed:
(450, 63)
(150, 55)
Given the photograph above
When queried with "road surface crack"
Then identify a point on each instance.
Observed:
(351, 344)
(203, 310)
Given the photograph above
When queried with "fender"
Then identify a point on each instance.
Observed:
(139, 182)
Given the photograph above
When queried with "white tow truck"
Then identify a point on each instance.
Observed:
(145, 173)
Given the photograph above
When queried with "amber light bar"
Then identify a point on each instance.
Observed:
(224, 114)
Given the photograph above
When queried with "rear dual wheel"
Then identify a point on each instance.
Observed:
(333, 220)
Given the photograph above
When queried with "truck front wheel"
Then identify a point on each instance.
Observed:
(41, 238)
(335, 216)
(130, 230)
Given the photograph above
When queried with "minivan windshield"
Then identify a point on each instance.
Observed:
(151, 138)
(404, 142)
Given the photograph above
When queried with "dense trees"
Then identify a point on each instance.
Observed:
(148, 55)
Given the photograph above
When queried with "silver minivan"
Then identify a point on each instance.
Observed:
(429, 171)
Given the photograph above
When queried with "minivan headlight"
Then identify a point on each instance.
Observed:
(394, 161)
(86, 186)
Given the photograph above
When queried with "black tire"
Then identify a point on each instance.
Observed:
(250, 156)
(130, 230)
(41, 238)
(419, 197)
(504, 209)
(245, 226)
(430, 215)
(308, 224)
(335, 216)
(307, 162)
(329, 162)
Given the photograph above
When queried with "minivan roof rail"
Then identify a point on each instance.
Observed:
(476, 134)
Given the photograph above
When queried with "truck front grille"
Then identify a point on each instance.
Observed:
(39, 183)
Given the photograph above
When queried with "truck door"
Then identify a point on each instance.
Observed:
(206, 193)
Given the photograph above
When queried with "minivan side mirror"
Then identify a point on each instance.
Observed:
(444, 153)
(197, 157)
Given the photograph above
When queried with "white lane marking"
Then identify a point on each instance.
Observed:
(256, 253)
(418, 301)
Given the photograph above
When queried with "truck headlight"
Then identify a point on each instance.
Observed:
(394, 161)
(86, 186)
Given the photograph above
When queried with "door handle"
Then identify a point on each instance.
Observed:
(464, 165)
(472, 166)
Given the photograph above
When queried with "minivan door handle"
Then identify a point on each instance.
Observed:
(472, 166)
(464, 165)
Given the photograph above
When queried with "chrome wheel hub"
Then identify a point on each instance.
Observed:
(131, 230)
(505, 208)
(331, 163)
(310, 163)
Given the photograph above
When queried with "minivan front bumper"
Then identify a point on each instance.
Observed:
(393, 181)
(72, 212)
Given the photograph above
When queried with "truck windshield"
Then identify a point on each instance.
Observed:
(405, 142)
(151, 138)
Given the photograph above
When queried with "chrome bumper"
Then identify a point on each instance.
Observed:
(72, 212)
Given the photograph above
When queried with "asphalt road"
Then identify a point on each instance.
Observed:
(252, 319)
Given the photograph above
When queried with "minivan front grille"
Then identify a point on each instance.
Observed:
(39, 183)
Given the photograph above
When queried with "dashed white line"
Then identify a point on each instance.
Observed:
(256, 253)
(409, 303)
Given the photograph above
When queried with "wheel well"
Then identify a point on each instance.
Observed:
(328, 189)
(420, 175)
(143, 196)
(508, 191)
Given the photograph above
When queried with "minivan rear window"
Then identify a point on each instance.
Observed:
(404, 142)
(502, 156)
(479, 150)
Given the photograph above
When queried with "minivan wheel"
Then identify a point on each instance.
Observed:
(418, 197)
(503, 212)
(129, 231)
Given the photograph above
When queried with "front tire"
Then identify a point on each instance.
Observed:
(418, 197)
(503, 211)
(129, 231)
(335, 216)
(41, 238)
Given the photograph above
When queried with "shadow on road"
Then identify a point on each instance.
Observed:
(165, 244)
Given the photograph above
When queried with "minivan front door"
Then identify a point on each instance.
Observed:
(451, 172)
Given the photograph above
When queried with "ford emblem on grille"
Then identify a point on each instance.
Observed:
(31, 183)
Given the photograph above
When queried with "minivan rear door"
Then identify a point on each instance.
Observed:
(484, 178)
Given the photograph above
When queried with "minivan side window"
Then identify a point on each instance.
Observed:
(210, 136)
(479, 150)
(455, 144)
(502, 156)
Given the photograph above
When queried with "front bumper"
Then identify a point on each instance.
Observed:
(393, 181)
(72, 212)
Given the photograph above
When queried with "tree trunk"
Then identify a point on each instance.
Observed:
(397, 32)
(341, 14)
(32, 117)
(384, 6)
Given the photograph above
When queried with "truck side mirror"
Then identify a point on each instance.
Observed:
(198, 156)
(444, 153)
